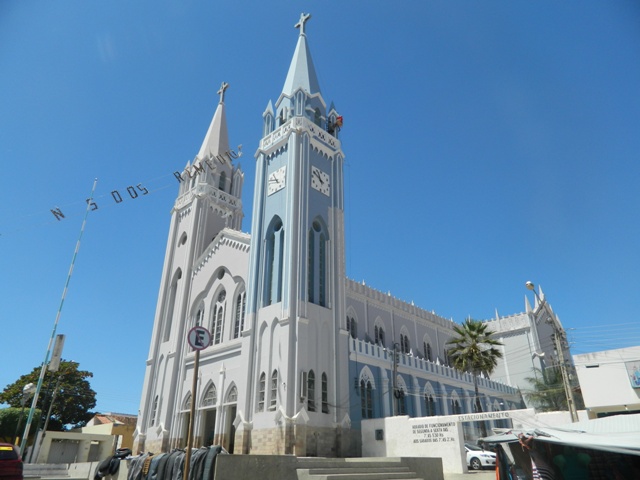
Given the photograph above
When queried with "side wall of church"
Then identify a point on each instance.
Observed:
(380, 327)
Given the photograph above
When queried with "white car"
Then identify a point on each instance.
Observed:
(478, 458)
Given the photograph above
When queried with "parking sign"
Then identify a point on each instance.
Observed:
(199, 338)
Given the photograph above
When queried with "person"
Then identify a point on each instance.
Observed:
(573, 465)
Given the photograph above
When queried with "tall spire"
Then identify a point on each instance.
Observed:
(216, 141)
(302, 73)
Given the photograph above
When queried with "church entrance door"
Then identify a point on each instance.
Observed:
(209, 426)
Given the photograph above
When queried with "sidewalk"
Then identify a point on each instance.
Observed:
(484, 475)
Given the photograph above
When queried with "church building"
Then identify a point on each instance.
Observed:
(299, 353)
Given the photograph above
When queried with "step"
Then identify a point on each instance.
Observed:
(48, 471)
(346, 463)
(372, 469)
(354, 475)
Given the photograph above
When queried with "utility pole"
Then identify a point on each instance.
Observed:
(394, 400)
(565, 375)
(558, 336)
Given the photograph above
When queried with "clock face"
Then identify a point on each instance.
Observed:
(276, 180)
(320, 181)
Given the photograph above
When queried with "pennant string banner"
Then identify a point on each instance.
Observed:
(142, 189)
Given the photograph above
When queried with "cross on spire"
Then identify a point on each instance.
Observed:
(304, 17)
(223, 87)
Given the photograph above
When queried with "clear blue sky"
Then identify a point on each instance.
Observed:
(488, 143)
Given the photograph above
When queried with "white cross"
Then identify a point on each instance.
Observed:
(304, 17)
(223, 87)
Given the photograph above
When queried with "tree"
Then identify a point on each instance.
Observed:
(547, 393)
(473, 350)
(73, 401)
(11, 419)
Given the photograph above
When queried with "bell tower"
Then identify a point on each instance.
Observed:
(296, 302)
(209, 200)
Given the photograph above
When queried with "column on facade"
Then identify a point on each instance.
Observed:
(218, 431)
(386, 399)
(417, 397)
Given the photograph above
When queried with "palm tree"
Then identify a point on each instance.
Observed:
(473, 350)
(548, 393)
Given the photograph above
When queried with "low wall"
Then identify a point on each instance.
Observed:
(82, 447)
(72, 471)
(264, 467)
(442, 436)
(402, 436)
(283, 467)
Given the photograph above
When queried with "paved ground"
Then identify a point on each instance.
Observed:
(484, 475)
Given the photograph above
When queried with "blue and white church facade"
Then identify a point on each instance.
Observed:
(300, 354)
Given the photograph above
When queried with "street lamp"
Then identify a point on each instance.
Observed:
(540, 357)
(558, 333)
(27, 391)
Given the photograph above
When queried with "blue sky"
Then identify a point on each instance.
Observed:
(488, 143)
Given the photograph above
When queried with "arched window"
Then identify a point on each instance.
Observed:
(261, 392)
(274, 390)
(154, 412)
(223, 181)
(427, 350)
(366, 399)
(300, 103)
(311, 391)
(379, 335)
(325, 393)
(447, 358)
(268, 124)
(274, 264)
(199, 316)
(455, 407)
(210, 397)
(241, 305)
(169, 306)
(232, 396)
(317, 118)
(430, 405)
(186, 405)
(352, 327)
(218, 317)
(404, 344)
(317, 264)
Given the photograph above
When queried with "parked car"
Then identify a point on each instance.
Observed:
(478, 458)
(10, 462)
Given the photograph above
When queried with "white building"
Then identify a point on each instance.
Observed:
(529, 343)
(610, 381)
(300, 354)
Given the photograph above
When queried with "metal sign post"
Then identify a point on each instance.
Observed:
(199, 338)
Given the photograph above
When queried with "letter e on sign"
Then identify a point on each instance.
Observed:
(199, 338)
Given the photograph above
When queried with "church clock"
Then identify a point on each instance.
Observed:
(320, 181)
(276, 180)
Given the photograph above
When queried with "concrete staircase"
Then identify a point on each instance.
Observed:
(47, 471)
(309, 468)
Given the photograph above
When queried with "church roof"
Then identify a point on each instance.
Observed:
(302, 73)
(216, 141)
